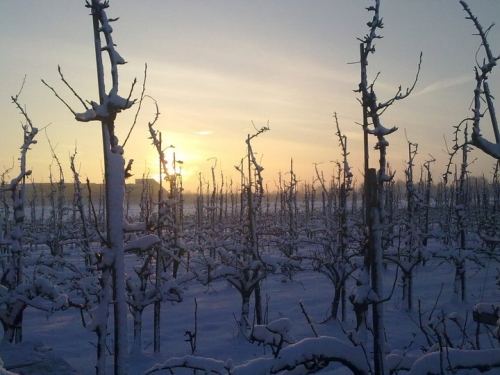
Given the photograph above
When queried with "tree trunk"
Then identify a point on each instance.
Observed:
(258, 304)
(115, 190)
(114, 174)
(137, 345)
(245, 311)
(377, 278)
(344, 300)
(410, 290)
(336, 300)
(101, 319)
(157, 304)
(12, 322)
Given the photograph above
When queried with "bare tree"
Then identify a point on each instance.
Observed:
(375, 181)
(12, 318)
(111, 255)
(482, 91)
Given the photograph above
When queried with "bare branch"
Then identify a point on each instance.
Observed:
(139, 106)
(71, 88)
(481, 75)
(58, 97)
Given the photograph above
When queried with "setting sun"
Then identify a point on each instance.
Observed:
(178, 163)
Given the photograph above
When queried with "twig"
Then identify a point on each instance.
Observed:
(71, 88)
(193, 335)
(103, 240)
(308, 318)
(58, 97)
(437, 300)
(140, 103)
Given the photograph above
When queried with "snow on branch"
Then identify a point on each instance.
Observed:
(348, 175)
(482, 71)
(372, 108)
(305, 357)
(142, 244)
(457, 359)
(208, 365)
(110, 103)
(374, 24)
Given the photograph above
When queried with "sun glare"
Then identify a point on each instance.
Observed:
(175, 166)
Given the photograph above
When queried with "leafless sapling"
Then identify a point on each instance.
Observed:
(12, 277)
(375, 214)
(111, 262)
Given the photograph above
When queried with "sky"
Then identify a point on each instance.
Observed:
(217, 68)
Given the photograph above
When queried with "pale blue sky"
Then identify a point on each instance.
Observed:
(216, 66)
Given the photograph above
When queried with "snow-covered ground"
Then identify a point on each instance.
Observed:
(218, 308)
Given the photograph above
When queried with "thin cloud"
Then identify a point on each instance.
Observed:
(204, 132)
(444, 84)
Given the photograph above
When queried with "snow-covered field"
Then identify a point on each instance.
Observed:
(218, 307)
(224, 261)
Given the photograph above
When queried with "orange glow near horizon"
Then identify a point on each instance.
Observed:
(182, 166)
